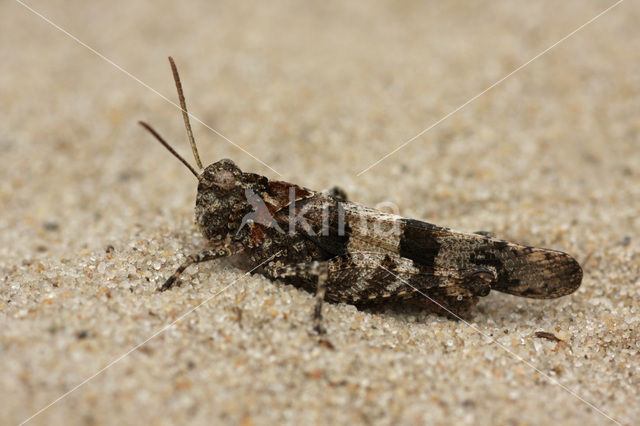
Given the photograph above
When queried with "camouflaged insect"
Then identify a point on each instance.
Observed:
(346, 252)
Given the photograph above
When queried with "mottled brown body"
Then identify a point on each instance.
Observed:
(363, 267)
(346, 252)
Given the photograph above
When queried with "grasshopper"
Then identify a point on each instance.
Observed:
(345, 252)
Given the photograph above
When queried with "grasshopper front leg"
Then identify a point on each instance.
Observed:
(317, 269)
(203, 256)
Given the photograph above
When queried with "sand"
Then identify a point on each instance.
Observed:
(95, 214)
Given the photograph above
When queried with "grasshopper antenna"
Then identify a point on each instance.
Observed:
(171, 150)
(185, 114)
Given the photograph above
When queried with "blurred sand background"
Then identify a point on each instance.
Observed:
(95, 214)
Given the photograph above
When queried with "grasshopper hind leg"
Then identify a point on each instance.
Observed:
(458, 302)
(441, 303)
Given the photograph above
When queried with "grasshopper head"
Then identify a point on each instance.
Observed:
(220, 200)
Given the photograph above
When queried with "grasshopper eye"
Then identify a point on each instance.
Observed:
(224, 180)
(221, 176)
